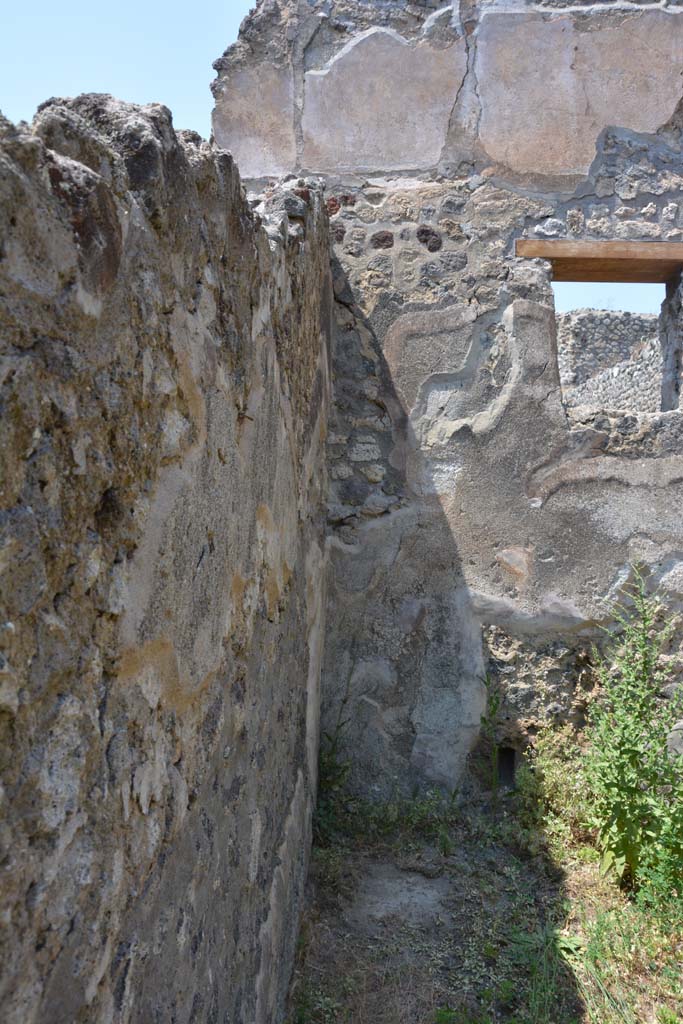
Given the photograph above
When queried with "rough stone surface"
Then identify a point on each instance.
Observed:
(164, 395)
(373, 86)
(675, 740)
(169, 594)
(610, 360)
(265, 145)
(490, 529)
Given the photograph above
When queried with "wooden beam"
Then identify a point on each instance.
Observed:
(634, 262)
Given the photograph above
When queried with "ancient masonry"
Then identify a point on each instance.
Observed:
(312, 441)
(609, 360)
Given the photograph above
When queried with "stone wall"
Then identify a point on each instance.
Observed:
(164, 403)
(359, 86)
(609, 360)
(473, 528)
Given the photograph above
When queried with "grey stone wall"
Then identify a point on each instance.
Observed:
(610, 360)
(473, 525)
(164, 402)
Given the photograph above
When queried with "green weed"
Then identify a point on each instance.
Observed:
(316, 1007)
(333, 773)
(636, 786)
(666, 1016)
(445, 1016)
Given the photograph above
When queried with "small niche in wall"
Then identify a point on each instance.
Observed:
(618, 309)
(507, 767)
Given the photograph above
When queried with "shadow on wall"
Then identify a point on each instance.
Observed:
(409, 645)
(461, 496)
(404, 660)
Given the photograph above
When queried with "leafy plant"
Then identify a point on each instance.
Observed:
(553, 798)
(446, 1016)
(636, 785)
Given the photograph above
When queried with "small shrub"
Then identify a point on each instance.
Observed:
(552, 794)
(636, 786)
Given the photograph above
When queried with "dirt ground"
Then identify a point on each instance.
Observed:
(462, 928)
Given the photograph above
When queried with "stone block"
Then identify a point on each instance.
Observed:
(381, 103)
(549, 86)
(254, 118)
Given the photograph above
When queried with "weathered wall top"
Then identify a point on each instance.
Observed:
(368, 86)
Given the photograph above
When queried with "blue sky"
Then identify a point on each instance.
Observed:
(142, 52)
(636, 298)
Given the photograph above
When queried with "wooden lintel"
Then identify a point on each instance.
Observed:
(634, 262)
